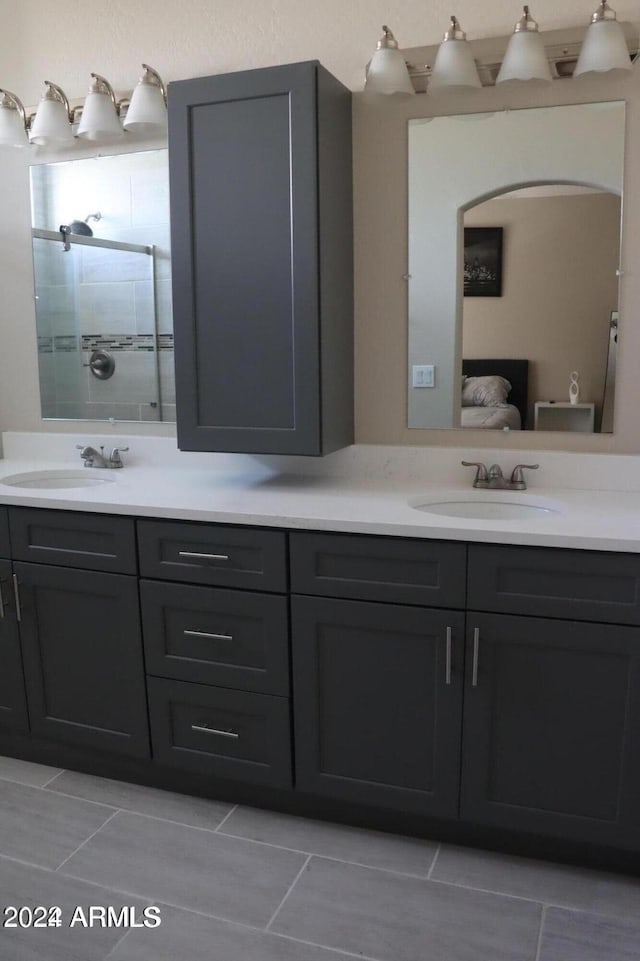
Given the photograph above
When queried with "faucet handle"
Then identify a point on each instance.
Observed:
(481, 473)
(517, 477)
(115, 459)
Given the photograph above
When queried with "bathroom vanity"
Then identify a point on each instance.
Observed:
(435, 679)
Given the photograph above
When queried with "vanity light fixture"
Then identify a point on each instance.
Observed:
(52, 122)
(454, 67)
(525, 58)
(13, 121)
(387, 71)
(100, 118)
(604, 47)
(147, 111)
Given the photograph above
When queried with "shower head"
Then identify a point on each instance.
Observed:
(80, 227)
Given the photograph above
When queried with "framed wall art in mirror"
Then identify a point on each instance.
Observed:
(552, 178)
(482, 262)
(101, 252)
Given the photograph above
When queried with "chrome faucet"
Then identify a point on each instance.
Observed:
(94, 458)
(493, 479)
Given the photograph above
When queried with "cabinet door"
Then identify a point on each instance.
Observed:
(83, 660)
(260, 160)
(552, 728)
(377, 703)
(13, 703)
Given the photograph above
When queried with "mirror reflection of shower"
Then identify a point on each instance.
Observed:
(103, 285)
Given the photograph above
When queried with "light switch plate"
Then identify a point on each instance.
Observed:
(424, 375)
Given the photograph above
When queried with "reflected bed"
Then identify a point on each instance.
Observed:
(511, 415)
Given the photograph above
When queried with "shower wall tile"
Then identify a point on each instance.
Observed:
(70, 410)
(150, 197)
(150, 412)
(106, 307)
(144, 307)
(111, 411)
(100, 265)
(165, 305)
(55, 309)
(134, 380)
(70, 376)
(158, 234)
(43, 325)
(167, 377)
(46, 366)
(53, 265)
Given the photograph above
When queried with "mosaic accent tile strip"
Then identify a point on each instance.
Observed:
(143, 342)
(65, 342)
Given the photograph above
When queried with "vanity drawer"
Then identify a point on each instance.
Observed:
(90, 541)
(227, 734)
(551, 582)
(234, 639)
(431, 573)
(5, 546)
(213, 554)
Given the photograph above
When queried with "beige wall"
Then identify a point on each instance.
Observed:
(559, 286)
(63, 42)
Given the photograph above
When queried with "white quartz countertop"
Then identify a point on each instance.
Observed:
(367, 502)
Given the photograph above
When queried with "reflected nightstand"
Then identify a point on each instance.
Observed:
(562, 415)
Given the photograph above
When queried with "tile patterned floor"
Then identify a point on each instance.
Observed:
(238, 884)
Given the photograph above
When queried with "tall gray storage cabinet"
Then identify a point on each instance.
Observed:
(262, 260)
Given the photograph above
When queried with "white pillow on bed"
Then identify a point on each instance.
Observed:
(490, 391)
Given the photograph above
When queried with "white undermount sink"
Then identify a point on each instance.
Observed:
(489, 505)
(58, 479)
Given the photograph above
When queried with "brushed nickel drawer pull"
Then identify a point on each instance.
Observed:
(213, 637)
(476, 656)
(447, 670)
(203, 557)
(1, 603)
(16, 594)
(212, 730)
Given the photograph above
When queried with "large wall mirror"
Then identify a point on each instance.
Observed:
(514, 252)
(101, 254)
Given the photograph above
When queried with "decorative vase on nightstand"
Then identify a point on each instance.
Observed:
(574, 387)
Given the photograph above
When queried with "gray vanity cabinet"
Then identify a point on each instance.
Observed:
(79, 625)
(378, 703)
(552, 728)
(217, 655)
(552, 699)
(13, 703)
(378, 686)
(83, 662)
(261, 225)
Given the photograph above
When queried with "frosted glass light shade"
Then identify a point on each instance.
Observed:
(525, 59)
(147, 113)
(51, 124)
(12, 129)
(604, 49)
(387, 71)
(99, 119)
(454, 68)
